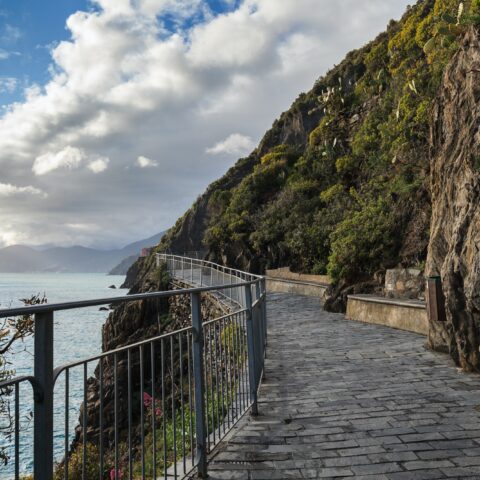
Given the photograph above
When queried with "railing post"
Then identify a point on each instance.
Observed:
(264, 309)
(261, 324)
(43, 407)
(201, 433)
(251, 350)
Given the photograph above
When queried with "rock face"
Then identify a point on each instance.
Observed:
(406, 283)
(455, 184)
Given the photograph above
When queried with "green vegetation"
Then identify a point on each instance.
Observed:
(342, 202)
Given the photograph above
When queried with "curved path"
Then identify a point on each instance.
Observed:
(344, 399)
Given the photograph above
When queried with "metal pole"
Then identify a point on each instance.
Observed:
(264, 309)
(201, 432)
(251, 350)
(261, 324)
(43, 408)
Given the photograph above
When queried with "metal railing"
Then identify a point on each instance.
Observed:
(155, 408)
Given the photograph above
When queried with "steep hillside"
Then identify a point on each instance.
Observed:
(340, 182)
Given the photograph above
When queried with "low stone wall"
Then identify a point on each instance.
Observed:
(275, 285)
(286, 274)
(410, 315)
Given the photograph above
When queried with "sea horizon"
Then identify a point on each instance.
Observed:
(77, 335)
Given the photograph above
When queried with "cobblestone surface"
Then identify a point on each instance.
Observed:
(343, 399)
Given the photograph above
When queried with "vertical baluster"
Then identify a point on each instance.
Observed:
(240, 359)
(235, 362)
(66, 432)
(217, 403)
(251, 349)
(142, 410)
(115, 413)
(199, 384)
(190, 406)
(17, 431)
(100, 420)
(164, 418)
(154, 410)
(205, 370)
(228, 370)
(84, 426)
(222, 370)
(182, 407)
(174, 420)
(212, 393)
(129, 407)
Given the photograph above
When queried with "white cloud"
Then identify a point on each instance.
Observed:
(69, 158)
(165, 76)
(10, 34)
(99, 165)
(9, 190)
(8, 84)
(144, 162)
(234, 144)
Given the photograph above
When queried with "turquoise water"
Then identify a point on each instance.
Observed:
(77, 335)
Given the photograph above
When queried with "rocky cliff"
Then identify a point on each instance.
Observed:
(340, 183)
(454, 250)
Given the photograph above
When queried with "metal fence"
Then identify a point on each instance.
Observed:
(156, 408)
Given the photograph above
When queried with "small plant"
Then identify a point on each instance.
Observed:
(76, 469)
(451, 27)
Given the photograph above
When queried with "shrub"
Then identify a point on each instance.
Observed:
(362, 242)
(75, 464)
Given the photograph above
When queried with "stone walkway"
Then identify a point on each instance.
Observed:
(343, 399)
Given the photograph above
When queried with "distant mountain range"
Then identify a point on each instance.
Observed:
(77, 259)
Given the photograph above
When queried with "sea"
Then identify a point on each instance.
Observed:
(77, 335)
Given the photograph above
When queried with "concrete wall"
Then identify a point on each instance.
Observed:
(410, 315)
(286, 274)
(275, 285)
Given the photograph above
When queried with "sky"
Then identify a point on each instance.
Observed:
(116, 114)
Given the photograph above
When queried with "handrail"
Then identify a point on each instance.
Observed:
(50, 307)
(53, 307)
(222, 360)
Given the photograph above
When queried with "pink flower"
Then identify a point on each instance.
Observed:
(147, 399)
(115, 477)
(158, 412)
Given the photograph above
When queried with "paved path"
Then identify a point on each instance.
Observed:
(345, 399)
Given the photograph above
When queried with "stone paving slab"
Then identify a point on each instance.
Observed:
(342, 399)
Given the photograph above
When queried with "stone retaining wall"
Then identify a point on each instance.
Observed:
(286, 274)
(410, 315)
(275, 285)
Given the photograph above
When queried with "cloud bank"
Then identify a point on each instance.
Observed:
(160, 79)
